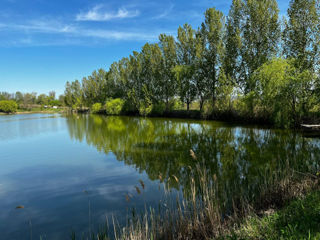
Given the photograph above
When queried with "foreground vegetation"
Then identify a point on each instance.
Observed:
(293, 212)
(248, 65)
(204, 217)
(298, 220)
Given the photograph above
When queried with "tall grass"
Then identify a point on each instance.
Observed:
(207, 210)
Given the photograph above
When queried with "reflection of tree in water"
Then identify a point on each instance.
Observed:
(241, 159)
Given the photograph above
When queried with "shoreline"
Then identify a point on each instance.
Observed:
(192, 115)
(31, 112)
(267, 218)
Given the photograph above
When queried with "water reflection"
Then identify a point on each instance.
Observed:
(242, 159)
(47, 162)
(15, 127)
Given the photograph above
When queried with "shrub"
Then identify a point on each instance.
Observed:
(145, 109)
(175, 104)
(159, 108)
(8, 106)
(114, 106)
(96, 108)
(55, 103)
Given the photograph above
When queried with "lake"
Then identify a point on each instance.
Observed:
(72, 172)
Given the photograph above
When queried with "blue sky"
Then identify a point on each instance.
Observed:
(44, 43)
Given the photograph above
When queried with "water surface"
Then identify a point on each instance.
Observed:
(72, 172)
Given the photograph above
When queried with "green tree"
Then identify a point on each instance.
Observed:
(151, 72)
(8, 106)
(73, 94)
(19, 97)
(186, 54)
(94, 87)
(261, 34)
(169, 84)
(118, 79)
(134, 79)
(212, 34)
(43, 99)
(301, 34)
(232, 59)
(52, 95)
(283, 92)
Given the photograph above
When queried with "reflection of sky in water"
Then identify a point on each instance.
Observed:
(56, 165)
(45, 171)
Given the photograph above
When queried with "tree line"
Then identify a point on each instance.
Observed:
(28, 100)
(250, 63)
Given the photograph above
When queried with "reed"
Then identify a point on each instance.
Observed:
(203, 214)
(206, 210)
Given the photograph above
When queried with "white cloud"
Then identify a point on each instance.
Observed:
(75, 32)
(96, 14)
(39, 26)
(164, 13)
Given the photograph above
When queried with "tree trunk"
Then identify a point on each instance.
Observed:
(167, 104)
(201, 104)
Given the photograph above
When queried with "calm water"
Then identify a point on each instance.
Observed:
(72, 172)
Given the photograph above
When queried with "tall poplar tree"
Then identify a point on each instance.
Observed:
(232, 60)
(301, 34)
(261, 35)
(169, 51)
(186, 58)
(212, 31)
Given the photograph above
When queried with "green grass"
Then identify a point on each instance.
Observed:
(300, 219)
(39, 110)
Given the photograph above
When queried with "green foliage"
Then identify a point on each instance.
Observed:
(95, 108)
(235, 64)
(282, 92)
(8, 106)
(299, 220)
(176, 104)
(145, 107)
(168, 82)
(159, 108)
(211, 59)
(302, 33)
(261, 34)
(55, 103)
(224, 90)
(94, 87)
(187, 90)
(233, 39)
(114, 106)
(73, 94)
(185, 70)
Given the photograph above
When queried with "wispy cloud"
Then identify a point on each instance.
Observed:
(40, 26)
(97, 14)
(75, 32)
(165, 13)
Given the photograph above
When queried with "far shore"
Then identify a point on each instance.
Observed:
(31, 112)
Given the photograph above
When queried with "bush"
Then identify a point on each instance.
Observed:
(159, 108)
(145, 107)
(96, 108)
(55, 103)
(8, 106)
(175, 104)
(114, 106)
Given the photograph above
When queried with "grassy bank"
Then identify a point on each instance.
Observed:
(285, 208)
(300, 219)
(40, 110)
